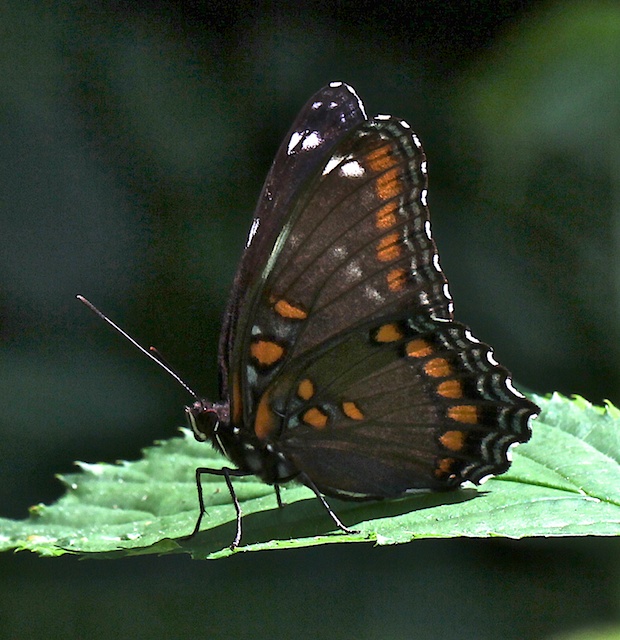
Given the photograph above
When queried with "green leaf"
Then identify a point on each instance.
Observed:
(564, 482)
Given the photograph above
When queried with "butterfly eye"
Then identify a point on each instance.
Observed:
(203, 420)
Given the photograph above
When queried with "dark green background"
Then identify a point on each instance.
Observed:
(135, 139)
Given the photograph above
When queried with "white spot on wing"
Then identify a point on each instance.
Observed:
(294, 141)
(510, 450)
(293, 240)
(427, 228)
(436, 262)
(405, 124)
(352, 169)
(382, 116)
(423, 195)
(360, 104)
(373, 294)
(252, 232)
(512, 388)
(471, 337)
(416, 141)
(492, 359)
(423, 167)
(317, 105)
(446, 291)
(335, 85)
(485, 479)
(353, 271)
(332, 163)
(311, 141)
(407, 239)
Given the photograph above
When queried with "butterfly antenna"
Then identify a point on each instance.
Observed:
(158, 354)
(156, 358)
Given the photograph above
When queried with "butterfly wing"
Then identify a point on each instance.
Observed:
(414, 404)
(345, 358)
(321, 123)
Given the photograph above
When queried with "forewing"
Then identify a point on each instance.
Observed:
(355, 248)
(323, 121)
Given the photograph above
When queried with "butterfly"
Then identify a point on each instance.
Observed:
(341, 365)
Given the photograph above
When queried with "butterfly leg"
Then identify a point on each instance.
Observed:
(226, 472)
(302, 477)
(278, 496)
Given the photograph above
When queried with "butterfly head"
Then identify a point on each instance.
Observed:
(205, 417)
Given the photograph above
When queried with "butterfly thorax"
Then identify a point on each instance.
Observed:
(211, 422)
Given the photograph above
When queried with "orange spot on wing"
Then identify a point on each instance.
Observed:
(385, 217)
(351, 410)
(388, 333)
(464, 413)
(419, 348)
(389, 247)
(315, 418)
(450, 389)
(388, 184)
(305, 389)
(288, 310)
(265, 419)
(396, 279)
(266, 352)
(444, 467)
(438, 368)
(453, 440)
(380, 159)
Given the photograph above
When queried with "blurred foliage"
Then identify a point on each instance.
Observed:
(542, 117)
(135, 138)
